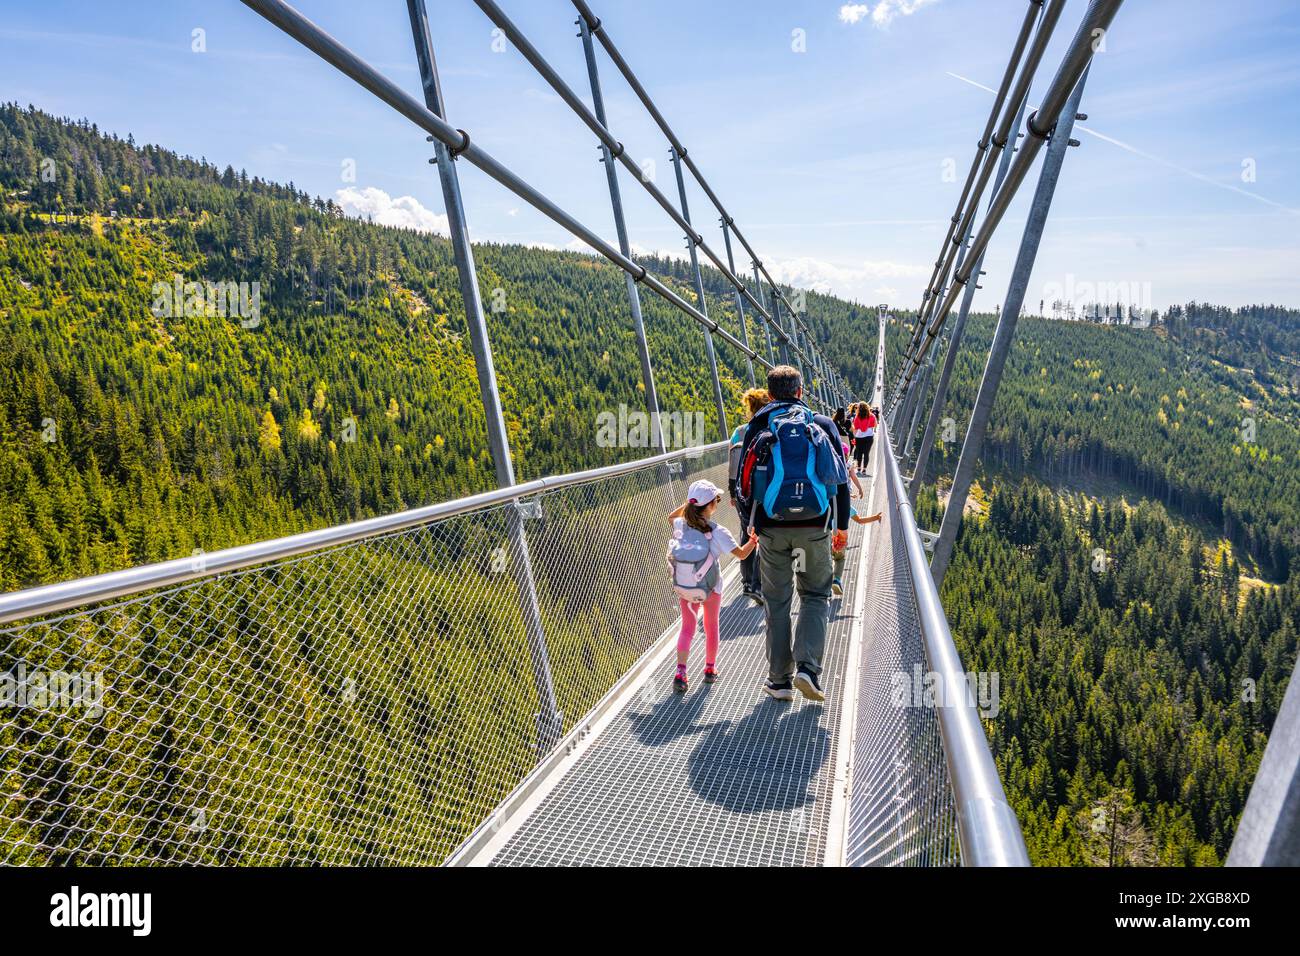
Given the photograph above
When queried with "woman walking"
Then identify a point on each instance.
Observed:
(864, 434)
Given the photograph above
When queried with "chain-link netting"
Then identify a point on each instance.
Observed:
(901, 810)
(368, 704)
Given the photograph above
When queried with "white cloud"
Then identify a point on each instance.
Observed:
(864, 282)
(406, 212)
(853, 12)
(883, 12)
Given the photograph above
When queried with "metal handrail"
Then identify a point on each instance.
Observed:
(49, 598)
(1268, 833)
(986, 825)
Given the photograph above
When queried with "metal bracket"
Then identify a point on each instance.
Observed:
(529, 510)
(928, 538)
(675, 467)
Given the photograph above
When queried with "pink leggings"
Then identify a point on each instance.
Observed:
(712, 605)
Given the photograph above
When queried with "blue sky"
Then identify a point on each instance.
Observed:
(830, 158)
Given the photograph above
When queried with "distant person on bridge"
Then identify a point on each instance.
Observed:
(841, 420)
(694, 552)
(864, 434)
(794, 487)
(750, 575)
(851, 414)
(847, 448)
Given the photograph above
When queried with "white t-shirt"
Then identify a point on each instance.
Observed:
(721, 543)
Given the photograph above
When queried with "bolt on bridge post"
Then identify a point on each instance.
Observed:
(549, 719)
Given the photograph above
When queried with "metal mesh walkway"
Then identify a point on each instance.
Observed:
(720, 775)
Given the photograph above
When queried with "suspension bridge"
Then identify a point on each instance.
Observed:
(247, 719)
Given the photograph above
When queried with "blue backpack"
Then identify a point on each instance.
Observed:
(792, 466)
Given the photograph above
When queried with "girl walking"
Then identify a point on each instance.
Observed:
(697, 545)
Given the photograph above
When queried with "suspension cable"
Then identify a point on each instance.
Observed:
(931, 290)
(1039, 128)
(601, 34)
(987, 163)
(616, 148)
(300, 28)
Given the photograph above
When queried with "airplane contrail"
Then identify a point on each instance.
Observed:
(1128, 147)
(965, 79)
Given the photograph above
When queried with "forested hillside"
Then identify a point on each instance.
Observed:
(1196, 428)
(1139, 675)
(130, 437)
(1128, 477)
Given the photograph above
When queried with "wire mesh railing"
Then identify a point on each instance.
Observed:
(901, 810)
(930, 711)
(368, 703)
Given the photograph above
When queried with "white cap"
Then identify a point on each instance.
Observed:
(702, 491)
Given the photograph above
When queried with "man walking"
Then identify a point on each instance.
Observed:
(796, 487)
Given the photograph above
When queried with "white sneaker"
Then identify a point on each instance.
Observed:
(808, 686)
(780, 691)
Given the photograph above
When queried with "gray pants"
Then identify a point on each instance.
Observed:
(787, 556)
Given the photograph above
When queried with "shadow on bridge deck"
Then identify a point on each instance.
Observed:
(719, 775)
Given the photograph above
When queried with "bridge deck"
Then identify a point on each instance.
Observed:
(720, 775)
